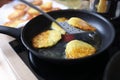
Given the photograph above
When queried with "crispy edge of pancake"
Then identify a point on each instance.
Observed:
(78, 49)
(80, 23)
(46, 39)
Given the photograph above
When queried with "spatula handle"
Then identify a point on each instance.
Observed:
(41, 11)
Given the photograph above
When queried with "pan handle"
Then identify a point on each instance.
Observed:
(14, 32)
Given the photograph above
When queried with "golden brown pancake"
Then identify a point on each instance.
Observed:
(17, 14)
(58, 28)
(33, 12)
(37, 2)
(20, 6)
(46, 39)
(78, 49)
(81, 24)
(47, 6)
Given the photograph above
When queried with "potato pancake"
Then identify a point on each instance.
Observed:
(78, 49)
(46, 39)
(80, 23)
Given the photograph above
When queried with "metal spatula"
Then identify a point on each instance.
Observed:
(68, 28)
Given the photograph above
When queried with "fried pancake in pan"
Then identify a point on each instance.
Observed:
(46, 39)
(81, 24)
(78, 49)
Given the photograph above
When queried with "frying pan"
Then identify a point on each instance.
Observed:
(112, 71)
(40, 23)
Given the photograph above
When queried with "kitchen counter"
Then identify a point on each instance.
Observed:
(11, 65)
(5, 70)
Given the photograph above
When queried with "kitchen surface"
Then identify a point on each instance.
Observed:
(17, 63)
(5, 70)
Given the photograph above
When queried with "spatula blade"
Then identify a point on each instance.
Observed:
(69, 29)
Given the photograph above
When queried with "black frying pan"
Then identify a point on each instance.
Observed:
(41, 23)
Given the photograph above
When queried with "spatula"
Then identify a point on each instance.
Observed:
(68, 28)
